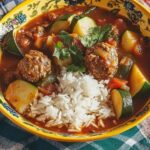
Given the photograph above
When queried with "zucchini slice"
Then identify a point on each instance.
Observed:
(71, 18)
(122, 103)
(9, 44)
(82, 25)
(20, 94)
(64, 17)
(139, 85)
(126, 64)
(59, 25)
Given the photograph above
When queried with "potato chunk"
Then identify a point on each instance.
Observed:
(83, 25)
(129, 40)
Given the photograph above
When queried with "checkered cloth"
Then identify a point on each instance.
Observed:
(14, 138)
(7, 5)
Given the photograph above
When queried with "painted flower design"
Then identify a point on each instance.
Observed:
(139, 14)
(128, 5)
(74, 2)
(133, 17)
(9, 109)
(133, 14)
(21, 17)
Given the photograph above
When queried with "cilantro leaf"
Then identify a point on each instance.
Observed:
(60, 52)
(114, 36)
(65, 53)
(59, 45)
(96, 34)
(67, 48)
(76, 54)
(74, 68)
(92, 37)
(66, 38)
(104, 32)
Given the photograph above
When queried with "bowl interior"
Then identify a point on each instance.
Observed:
(30, 9)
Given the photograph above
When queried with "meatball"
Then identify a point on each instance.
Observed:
(101, 61)
(34, 66)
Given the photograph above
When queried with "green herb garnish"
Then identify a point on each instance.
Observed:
(96, 34)
(68, 49)
(66, 38)
(77, 58)
(60, 51)
(76, 54)
(74, 68)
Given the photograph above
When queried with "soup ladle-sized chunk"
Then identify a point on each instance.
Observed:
(34, 66)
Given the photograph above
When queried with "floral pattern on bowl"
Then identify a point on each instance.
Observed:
(30, 9)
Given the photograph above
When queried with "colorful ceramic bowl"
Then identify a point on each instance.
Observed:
(30, 9)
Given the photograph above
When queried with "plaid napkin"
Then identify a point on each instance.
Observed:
(14, 138)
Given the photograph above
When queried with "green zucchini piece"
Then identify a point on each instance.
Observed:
(139, 85)
(70, 19)
(74, 19)
(20, 94)
(126, 64)
(60, 25)
(83, 25)
(122, 103)
(64, 17)
(9, 44)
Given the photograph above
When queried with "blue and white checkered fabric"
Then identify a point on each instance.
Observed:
(14, 138)
(7, 5)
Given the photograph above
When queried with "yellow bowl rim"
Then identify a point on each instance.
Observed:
(65, 138)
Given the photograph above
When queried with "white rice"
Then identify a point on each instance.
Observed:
(82, 100)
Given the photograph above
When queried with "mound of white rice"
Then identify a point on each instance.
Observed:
(82, 100)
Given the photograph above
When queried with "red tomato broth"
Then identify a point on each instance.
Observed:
(101, 17)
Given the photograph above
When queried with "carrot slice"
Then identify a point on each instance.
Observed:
(117, 83)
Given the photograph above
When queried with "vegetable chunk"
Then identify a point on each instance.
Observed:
(122, 102)
(83, 25)
(20, 94)
(59, 26)
(138, 83)
(125, 67)
(10, 45)
(129, 40)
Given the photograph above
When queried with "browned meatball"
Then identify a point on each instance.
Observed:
(34, 66)
(102, 61)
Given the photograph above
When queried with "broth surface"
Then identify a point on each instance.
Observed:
(101, 17)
